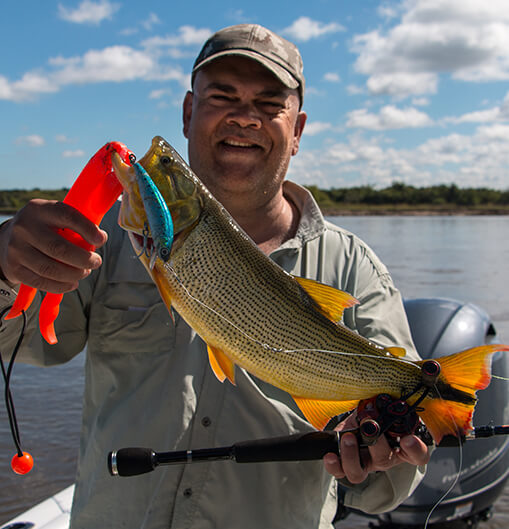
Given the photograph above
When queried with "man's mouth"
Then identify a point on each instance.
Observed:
(239, 144)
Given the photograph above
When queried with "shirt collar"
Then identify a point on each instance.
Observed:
(311, 222)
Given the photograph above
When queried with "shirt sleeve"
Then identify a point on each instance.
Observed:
(70, 328)
(383, 491)
(380, 315)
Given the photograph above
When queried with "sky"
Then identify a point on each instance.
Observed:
(411, 91)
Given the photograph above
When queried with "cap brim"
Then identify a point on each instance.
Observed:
(283, 75)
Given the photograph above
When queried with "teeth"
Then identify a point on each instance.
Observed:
(236, 143)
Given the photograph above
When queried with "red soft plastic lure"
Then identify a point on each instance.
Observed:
(93, 193)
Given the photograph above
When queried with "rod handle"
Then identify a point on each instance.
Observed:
(131, 461)
(297, 447)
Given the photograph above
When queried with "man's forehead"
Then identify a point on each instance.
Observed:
(229, 73)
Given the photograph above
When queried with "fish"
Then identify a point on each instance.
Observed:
(283, 329)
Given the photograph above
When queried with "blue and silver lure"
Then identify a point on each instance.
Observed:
(158, 216)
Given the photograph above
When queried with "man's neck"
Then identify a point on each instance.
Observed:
(271, 224)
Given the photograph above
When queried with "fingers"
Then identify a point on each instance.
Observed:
(33, 252)
(414, 451)
(351, 465)
(355, 464)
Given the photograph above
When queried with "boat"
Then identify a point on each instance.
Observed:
(52, 513)
(450, 496)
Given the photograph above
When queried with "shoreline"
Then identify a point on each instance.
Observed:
(412, 212)
(369, 211)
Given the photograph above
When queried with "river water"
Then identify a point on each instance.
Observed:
(464, 258)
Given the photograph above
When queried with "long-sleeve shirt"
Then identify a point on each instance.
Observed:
(148, 383)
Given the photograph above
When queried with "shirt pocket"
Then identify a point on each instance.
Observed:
(132, 328)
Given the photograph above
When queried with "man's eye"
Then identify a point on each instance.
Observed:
(220, 97)
(271, 106)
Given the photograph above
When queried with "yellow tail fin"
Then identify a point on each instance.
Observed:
(450, 409)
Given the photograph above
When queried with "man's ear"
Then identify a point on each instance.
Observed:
(187, 110)
(297, 133)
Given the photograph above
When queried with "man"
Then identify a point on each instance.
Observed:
(147, 379)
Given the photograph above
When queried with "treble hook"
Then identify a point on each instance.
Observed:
(145, 249)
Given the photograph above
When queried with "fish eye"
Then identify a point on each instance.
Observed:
(165, 160)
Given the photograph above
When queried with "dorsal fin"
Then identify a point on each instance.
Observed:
(331, 301)
(398, 352)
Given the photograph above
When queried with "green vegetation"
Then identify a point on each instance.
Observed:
(396, 199)
(401, 198)
(13, 199)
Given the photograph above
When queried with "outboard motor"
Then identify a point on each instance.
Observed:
(478, 470)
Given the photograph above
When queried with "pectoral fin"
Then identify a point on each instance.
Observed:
(161, 282)
(320, 412)
(331, 301)
(222, 366)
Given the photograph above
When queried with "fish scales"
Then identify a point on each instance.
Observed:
(256, 312)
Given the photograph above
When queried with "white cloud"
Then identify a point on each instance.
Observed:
(498, 113)
(116, 63)
(466, 39)
(187, 36)
(389, 117)
(355, 90)
(402, 84)
(475, 160)
(88, 12)
(316, 127)
(62, 138)
(304, 29)
(158, 94)
(151, 21)
(78, 153)
(32, 140)
(332, 77)
(420, 101)
(27, 88)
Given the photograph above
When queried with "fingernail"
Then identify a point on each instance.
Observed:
(408, 442)
(329, 459)
(349, 439)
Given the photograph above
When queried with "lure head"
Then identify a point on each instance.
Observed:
(176, 183)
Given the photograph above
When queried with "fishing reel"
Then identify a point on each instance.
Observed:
(395, 418)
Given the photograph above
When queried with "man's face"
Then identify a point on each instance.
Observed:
(243, 126)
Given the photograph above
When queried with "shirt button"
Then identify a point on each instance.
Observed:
(188, 493)
(206, 421)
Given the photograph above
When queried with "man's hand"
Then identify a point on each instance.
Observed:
(32, 251)
(355, 464)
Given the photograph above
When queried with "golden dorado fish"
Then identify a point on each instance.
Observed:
(280, 328)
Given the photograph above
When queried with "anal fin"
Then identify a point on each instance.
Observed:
(320, 412)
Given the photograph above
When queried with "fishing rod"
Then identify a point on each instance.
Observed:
(296, 447)
(379, 415)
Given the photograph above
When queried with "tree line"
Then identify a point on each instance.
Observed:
(398, 194)
(13, 199)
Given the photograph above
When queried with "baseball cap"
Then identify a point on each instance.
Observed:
(278, 55)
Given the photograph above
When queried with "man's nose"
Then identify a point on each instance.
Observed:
(245, 115)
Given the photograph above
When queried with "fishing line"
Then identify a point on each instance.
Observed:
(458, 474)
(278, 349)
(22, 462)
